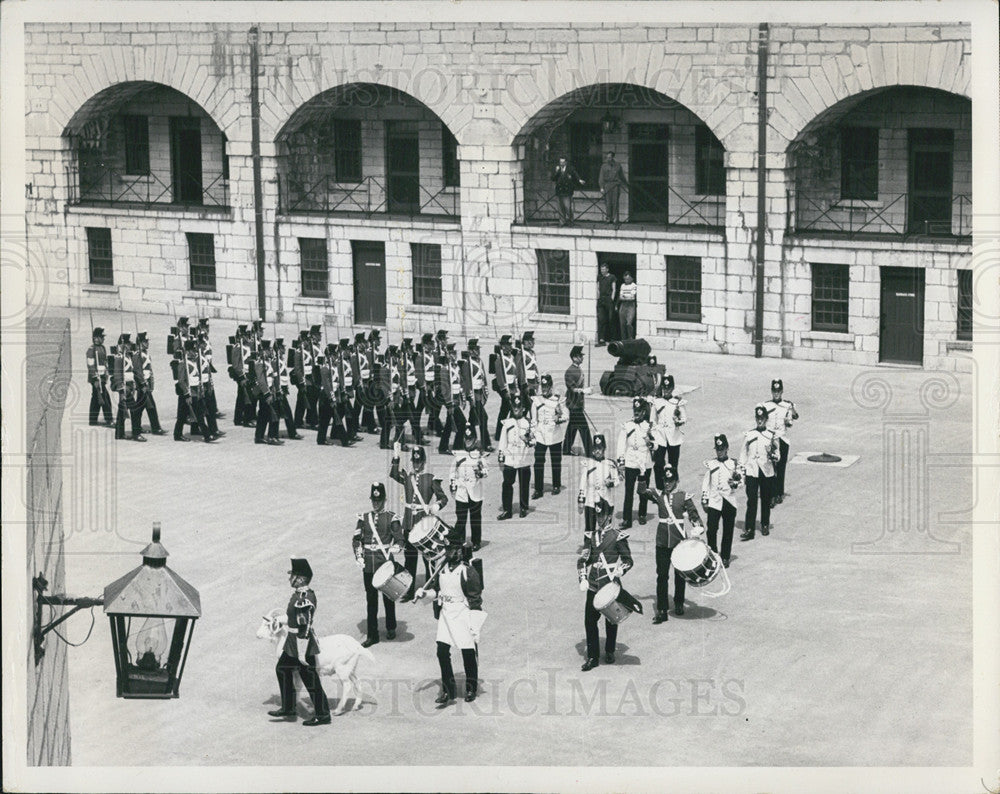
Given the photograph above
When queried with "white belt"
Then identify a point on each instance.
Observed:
(453, 600)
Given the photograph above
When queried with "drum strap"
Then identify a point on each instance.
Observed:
(673, 519)
(378, 538)
(611, 569)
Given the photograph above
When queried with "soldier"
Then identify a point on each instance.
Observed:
(440, 351)
(455, 399)
(505, 384)
(265, 386)
(313, 378)
(301, 377)
(548, 423)
(187, 385)
(424, 497)
(527, 366)
(346, 393)
(780, 415)
(515, 454)
(575, 395)
(410, 388)
(205, 370)
(426, 367)
(606, 558)
(142, 367)
(474, 384)
(179, 334)
(667, 419)
(635, 457)
(377, 538)
(673, 507)
(597, 479)
(284, 383)
(301, 650)
(97, 377)
(211, 406)
(465, 481)
(239, 371)
(757, 457)
(122, 361)
(718, 496)
(361, 368)
(392, 415)
(328, 403)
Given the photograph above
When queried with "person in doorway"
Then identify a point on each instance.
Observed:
(626, 307)
(607, 290)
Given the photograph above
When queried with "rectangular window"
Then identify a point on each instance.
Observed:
(136, 145)
(553, 281)
(585, 152)
(201, 253)
(314, 267)
(710, 169)
(684, 288)
(99, 254)
(859, 163)
(426, 273)
(347, 140)
(449, 154)
(965, 305)
(829, 297)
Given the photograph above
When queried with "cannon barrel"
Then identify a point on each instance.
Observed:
(632, 351)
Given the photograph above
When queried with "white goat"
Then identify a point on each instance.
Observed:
(338, 655)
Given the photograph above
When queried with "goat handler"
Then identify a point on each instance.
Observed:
(301, 649)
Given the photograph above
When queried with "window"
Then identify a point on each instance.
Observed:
(553, 282)
(449, 154)
(225, 158)
(99, 254)
(426, 273)
(709, 166)
(585, 152)
(965, 305)
(684, 288)
(201, 252)
(136, 145)
(315, 270)
(347, 138)
(859, 163)
(829, 297)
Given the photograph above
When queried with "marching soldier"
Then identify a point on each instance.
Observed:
(328, 403)
(301, 650)
(780, 415)
(239, 371)
(505, 384)
(122, 362)
(548, 423)
(474, 383)
(392, 415)
(284, 383)
(575, 395)
(450, 388)
(361, 369)
(606, 558)
(347, 384)
(757, 457)
(634, 456)
(675, 509)
(264, 383)
(410, 387)
(205, 370)
(426, 367)
(377, 538)
(301, 373)
(515, 454)
(718, 496)
(187, 385)
(597, 479)
(527, 366)
(667, 419)
(142, 367)
(312, 369)
(424, 497)
(211, 406)
(97, 377)
(465, 481)
(179, 334)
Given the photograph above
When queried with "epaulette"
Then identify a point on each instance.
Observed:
(622, 535)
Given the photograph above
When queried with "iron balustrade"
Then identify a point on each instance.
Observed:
(371, 196)
(891, 215)
(107, 186)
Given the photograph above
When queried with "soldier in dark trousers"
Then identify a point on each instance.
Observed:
(313, 384)
(378, 537)
(328, 403)
(187, 385)
(284, 383)
(205, 370)
(465, 480)
(264, 388)
(758, 455)
(97, 377)
(548, 423)
(362, 369)
(424, 497)
(527, 367)
(239, 365)
(426, 367)
(122, 361)
(575, 395)
(515, 454)
(719, 490)
(301, 374)
(142, 367)
(301, 649)
(455, 398)
(780, 415)
(474, 375)
(505, 382)
(410, 389)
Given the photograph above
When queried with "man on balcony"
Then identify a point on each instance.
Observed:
(610, 181)
(567, 180)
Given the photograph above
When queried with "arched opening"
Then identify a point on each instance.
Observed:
(893, 162)
(672, 165)
(367, 149)
(146, 144)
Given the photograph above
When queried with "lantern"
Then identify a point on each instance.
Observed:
(152, 613)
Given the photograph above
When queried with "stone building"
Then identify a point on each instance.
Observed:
(399, 174)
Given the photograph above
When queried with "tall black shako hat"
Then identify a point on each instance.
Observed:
(377, 492)
(300, 567)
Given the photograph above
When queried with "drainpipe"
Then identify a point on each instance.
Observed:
(258, 190)
(758, 330)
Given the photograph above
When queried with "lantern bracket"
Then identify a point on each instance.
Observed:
(39, 585)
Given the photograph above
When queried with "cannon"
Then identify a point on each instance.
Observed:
(636, 373)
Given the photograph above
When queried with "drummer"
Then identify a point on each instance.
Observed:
(377, 536)
(606, 558)
(424, 497)
(674, 507)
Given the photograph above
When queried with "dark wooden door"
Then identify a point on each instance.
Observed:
(185, 159)
(648, 172)
(901, 324)
(402, 157)
(369, 282)
(930, 181)
(618, 266)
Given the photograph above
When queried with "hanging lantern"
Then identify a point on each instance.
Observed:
(152, 612)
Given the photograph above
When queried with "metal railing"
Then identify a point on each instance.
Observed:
(368, 197)
(108, 186)
(891, 215)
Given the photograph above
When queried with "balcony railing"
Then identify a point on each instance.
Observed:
(107, 186)
(891, 215)
(371, 196)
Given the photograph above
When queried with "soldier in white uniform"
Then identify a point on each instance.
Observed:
(597, 479)
(757, 457)
(465, 481)
(719, 491)
(548, 423)
(780, 415)
(515, 454)
(635, 456)
(667, 418)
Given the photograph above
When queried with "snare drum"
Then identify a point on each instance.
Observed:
(695, 561)
(392, 579)
(429, 537)
(606, 602)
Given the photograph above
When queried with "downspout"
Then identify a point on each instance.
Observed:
(758, 331)
(258, 189)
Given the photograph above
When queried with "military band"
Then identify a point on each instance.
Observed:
(780, 415)
(378, 538)
(758, 455)
(597, 479)
(465, 481)
(635, 459)
(719, 494)
(515, 454)
(548, 424)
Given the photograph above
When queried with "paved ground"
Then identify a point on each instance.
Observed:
(825, 653)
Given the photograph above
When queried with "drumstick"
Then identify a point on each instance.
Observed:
(433, 576)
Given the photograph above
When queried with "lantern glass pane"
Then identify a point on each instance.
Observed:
(148, 667)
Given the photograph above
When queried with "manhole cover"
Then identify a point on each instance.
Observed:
(823, 458)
